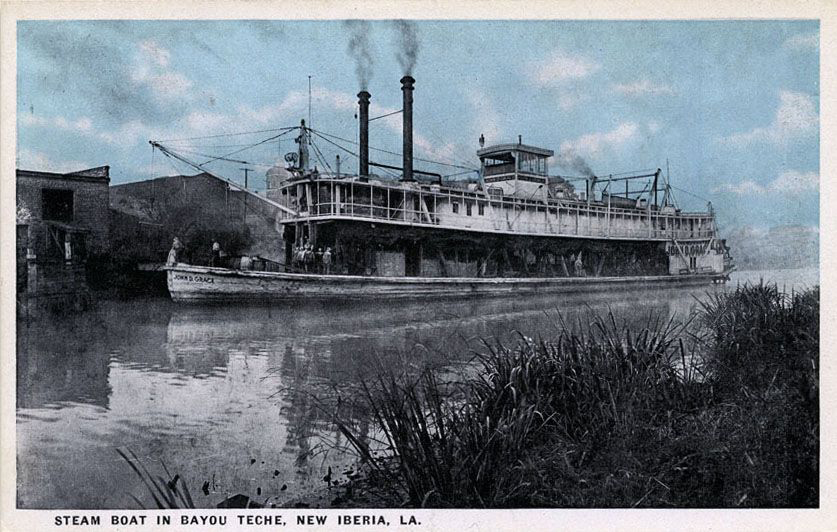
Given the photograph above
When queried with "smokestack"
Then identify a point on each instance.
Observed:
(407, 90)
(363, 101)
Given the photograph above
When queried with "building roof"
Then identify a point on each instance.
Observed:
(160, 179)
(504, 148)
(99, 174)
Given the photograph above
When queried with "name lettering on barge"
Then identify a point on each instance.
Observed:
(194, 278)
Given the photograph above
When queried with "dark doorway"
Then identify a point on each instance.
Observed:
(412, 260)
(57, 204)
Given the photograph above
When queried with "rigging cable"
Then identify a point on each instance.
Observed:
(398, 154)
(386, 115)
(320, 157)
(386, 171)
(238, 134)
(250, 147)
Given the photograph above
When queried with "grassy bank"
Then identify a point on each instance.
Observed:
(720, 411)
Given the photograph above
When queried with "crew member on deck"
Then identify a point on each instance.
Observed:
(579, 266)
(327, 261)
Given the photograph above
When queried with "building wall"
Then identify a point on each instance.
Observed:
(217, 203)
(90, 200)
(22, 243)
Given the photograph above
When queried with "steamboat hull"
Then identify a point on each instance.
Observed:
(199, 284)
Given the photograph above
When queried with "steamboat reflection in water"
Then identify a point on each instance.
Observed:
(232, 396)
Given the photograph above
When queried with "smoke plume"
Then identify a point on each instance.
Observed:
(408, 44)
(569, 159)
(360, 49)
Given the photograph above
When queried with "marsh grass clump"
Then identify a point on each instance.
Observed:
(719, 411)
(167, 494)
(482, 443)
(764, 364)
(761, 335)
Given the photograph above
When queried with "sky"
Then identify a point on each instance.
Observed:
(733, 106)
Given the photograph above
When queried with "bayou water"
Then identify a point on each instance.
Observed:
(237, 399)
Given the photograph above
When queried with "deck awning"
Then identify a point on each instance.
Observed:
(506, 148)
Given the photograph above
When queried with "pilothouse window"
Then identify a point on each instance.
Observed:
(531, 163)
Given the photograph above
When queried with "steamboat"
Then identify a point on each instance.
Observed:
(516, 231)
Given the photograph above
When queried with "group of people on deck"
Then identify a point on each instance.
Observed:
(306, 259)
(177, 252)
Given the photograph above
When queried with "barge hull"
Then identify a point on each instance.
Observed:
(204, 284)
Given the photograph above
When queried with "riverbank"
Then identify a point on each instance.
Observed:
(719, 411)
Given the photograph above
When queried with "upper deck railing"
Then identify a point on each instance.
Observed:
(474, 211)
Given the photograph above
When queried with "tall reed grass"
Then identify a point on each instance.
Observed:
(718, 411)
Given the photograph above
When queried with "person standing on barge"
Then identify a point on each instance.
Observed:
(174, 253)
(215, 257)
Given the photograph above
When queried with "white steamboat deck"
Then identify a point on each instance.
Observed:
(324, 199)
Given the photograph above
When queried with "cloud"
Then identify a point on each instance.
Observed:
(642, 88)
(156, 52)
(593, 144)
(795, 182)
(35, 160)
(119, 86)
(803, 41)
(98, 72)
(560, 67)
(125, 136)
(789, 182)
(796, 117)
(81, 125)
(152, 71)
(295, 104)
(199, 122)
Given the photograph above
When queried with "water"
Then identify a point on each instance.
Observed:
(239, 397)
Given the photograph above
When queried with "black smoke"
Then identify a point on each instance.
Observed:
(408, 43)
(567, 158)
(360, 50)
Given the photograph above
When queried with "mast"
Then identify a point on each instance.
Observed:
(303, 140)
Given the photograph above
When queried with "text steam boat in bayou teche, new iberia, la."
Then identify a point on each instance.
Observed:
(515, 231)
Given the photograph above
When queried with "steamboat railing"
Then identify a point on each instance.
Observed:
(470, 211)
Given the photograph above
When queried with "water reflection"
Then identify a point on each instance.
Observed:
(232, 396)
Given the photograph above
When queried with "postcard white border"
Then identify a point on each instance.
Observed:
(824, 518)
